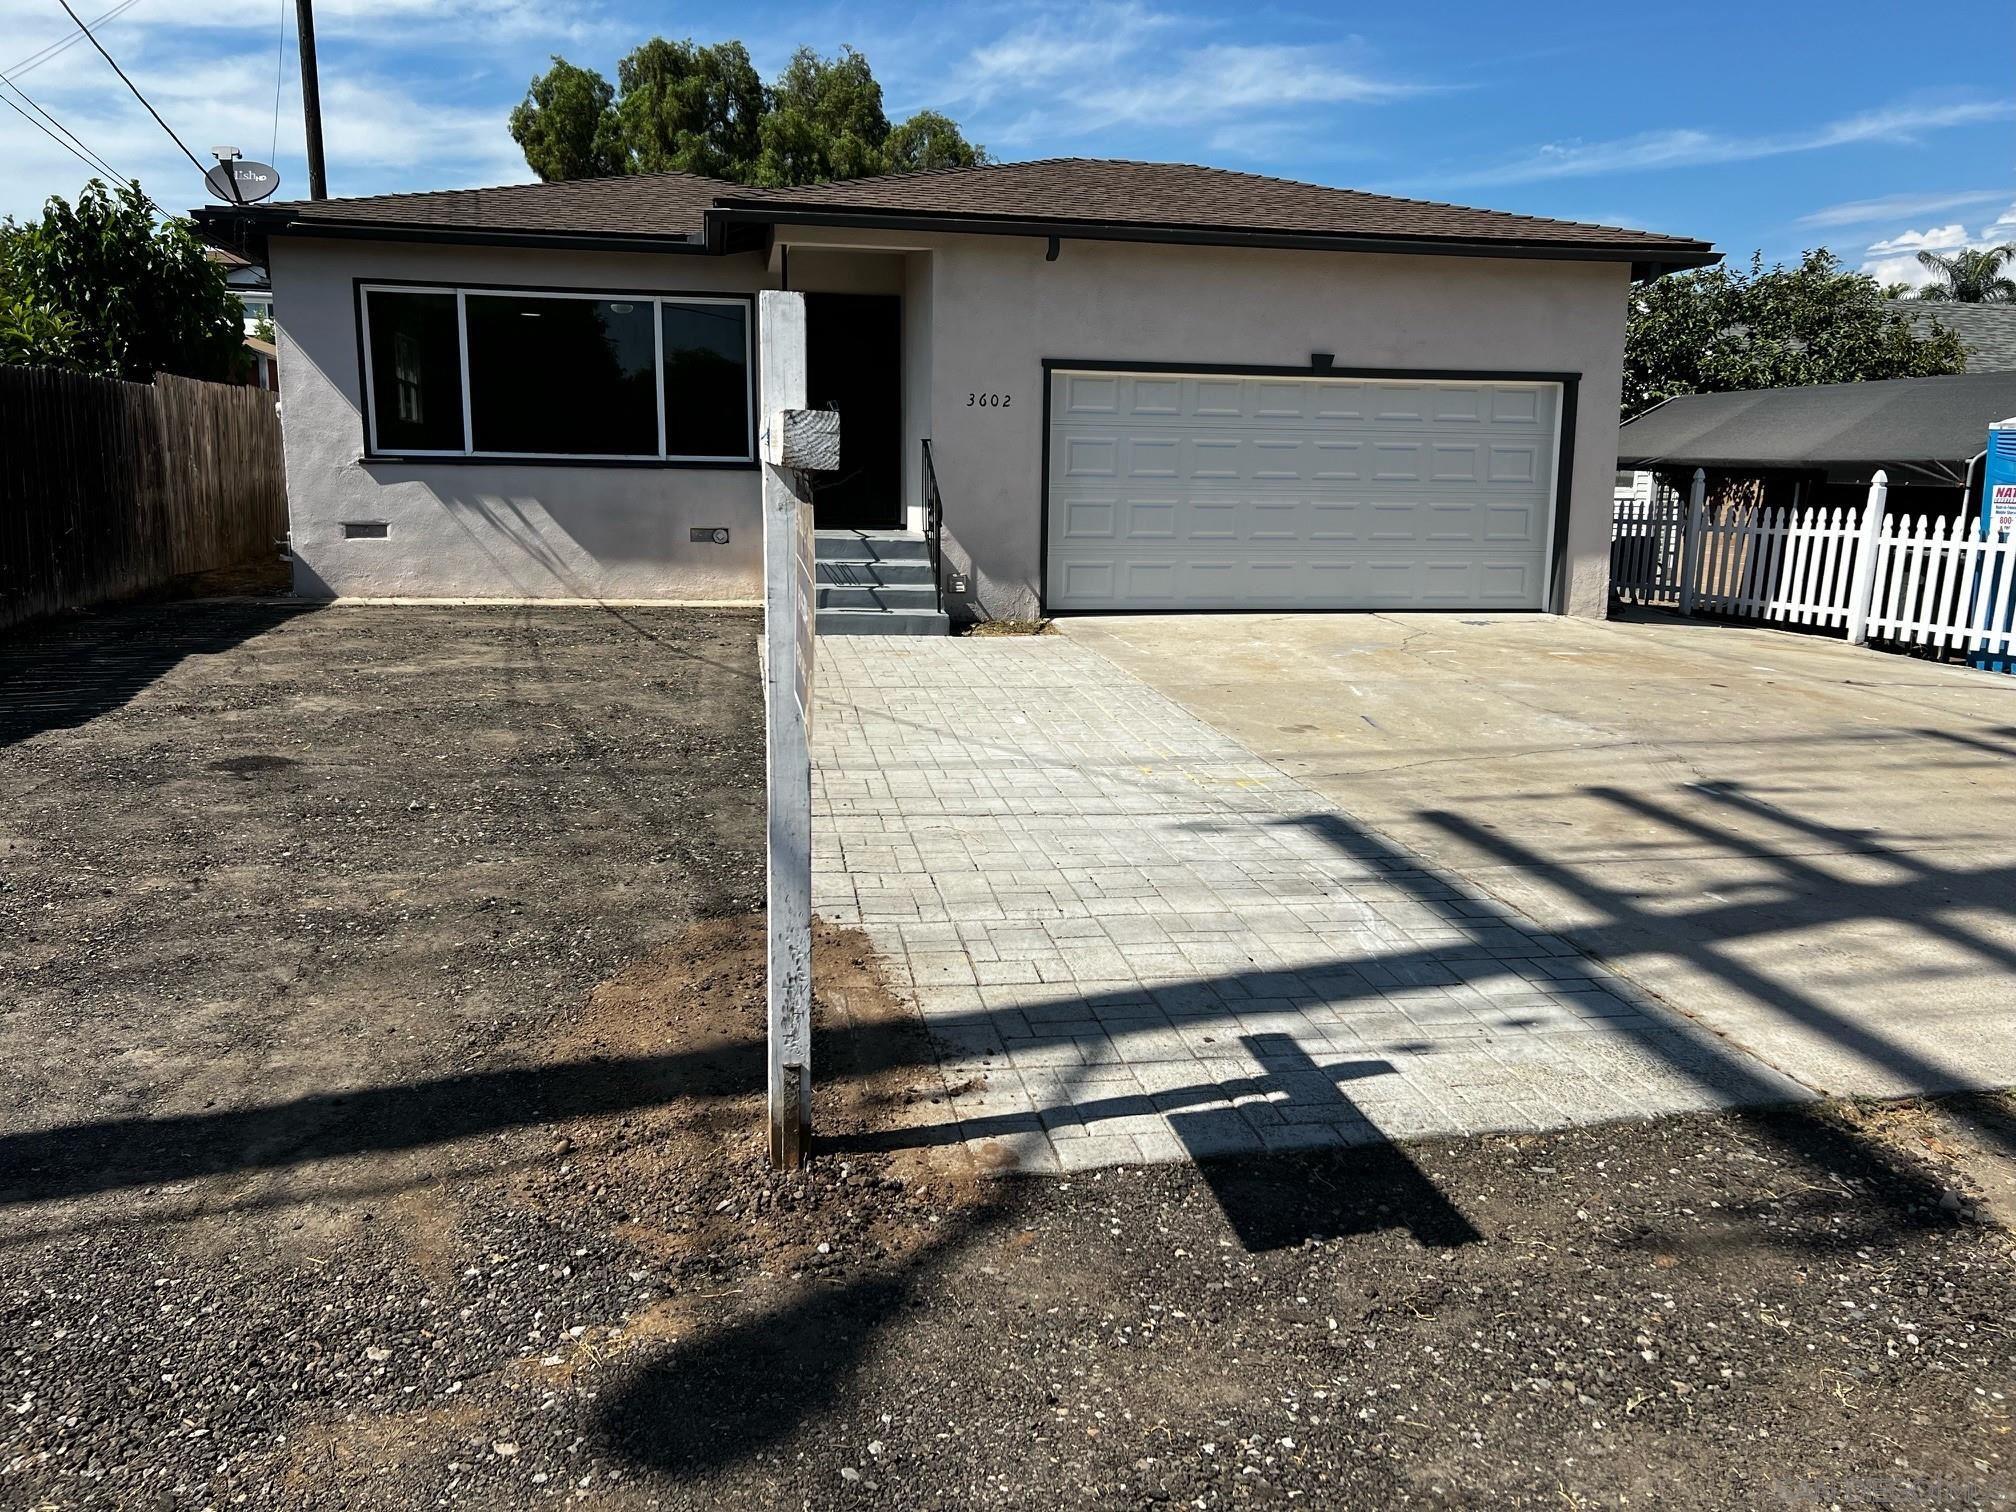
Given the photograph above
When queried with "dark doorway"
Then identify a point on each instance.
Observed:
(854, 363)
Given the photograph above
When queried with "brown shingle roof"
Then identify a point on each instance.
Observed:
(1114, 192)
(643, 204)
(1077, 196)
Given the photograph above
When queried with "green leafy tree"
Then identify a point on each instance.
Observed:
(1723, 328)
(690, 109)
(33, 334)
(566, 125)
(1973, 275)
(704, 109)
(825, 121)
(929, 140)
(103, 286)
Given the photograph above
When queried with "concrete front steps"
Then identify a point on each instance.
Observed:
(875, 582)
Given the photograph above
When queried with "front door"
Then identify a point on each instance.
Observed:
(854, 363)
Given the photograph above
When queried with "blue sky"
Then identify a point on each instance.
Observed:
(1765, 125)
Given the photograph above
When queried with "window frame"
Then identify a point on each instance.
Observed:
(363, 288)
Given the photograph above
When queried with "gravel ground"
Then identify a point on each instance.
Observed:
(383, 1003)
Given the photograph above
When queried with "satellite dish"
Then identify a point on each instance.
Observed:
(242, 182)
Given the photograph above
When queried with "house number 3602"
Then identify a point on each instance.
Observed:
(989, 401)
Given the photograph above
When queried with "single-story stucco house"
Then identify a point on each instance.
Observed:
(1136, 386)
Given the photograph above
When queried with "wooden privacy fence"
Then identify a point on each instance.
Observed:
(1944, 584)
(107, 487)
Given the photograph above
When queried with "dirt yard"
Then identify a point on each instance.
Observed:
(381, 998)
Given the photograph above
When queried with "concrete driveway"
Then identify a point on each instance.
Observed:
(1135, 939)
(1809, 850)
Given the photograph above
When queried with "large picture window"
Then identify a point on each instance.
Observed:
(416, 372)
(528, 374)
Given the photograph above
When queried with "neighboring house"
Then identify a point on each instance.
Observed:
(1988, 331)
(1634, 487)
(1823, 443)
(248, 281)
(265, 363)
(1144, 386)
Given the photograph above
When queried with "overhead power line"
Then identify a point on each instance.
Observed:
(68, 40)
(200, 169)
(75, 144)
(74, 152)
(279, 80)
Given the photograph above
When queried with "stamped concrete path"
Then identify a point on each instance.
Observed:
(1136, 940)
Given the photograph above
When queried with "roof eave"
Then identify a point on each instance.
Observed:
(1646, 262)
(1640, 461)
(253, 228)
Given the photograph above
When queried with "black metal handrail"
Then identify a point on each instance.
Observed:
(934, 527)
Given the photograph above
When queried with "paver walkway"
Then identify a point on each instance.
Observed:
(1135, 940)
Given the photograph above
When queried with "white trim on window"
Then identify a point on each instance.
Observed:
(657, 302)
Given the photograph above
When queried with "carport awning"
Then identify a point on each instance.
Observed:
(1929, 424)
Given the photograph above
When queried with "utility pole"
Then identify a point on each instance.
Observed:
(311, 99)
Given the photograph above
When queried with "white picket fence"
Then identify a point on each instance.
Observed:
(1947, 589)
(1945, 584)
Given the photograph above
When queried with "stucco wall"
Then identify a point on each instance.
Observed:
(981, 315)
(999, 310)
(491, 530)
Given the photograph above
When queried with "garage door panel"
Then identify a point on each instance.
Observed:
(1453, 462)
(1090, 519)
(1172, 491)
(1152, 519)
(1220, 399)
(1257, 515)
(1153, 456)
(1091, 457)
(1514, 524)
(1338, 460)
(1332, 521)
(1515, 463)
(1395, 580)
(1396, 462)
(1094, 581)
(1458, 406)
(1082, 395)
(1135, 402)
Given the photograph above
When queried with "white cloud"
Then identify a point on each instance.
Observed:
(1938, 239)
(1894, 259)
(421, 114)
(1079, 43)
(1894, 207)
(1071, 70)
(1687, 147)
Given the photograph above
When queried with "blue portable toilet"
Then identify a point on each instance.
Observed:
(1998, 521)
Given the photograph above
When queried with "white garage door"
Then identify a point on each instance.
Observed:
(1182, 491)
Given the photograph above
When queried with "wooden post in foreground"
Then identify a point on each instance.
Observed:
(787, 711)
